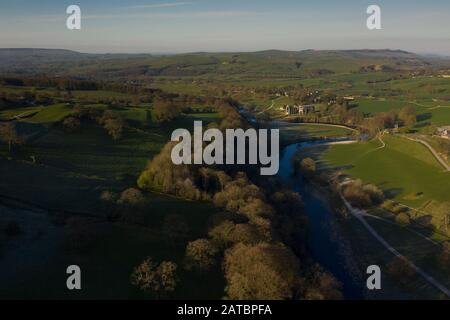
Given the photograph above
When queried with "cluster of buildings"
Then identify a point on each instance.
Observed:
(299, 109)
(444, 132)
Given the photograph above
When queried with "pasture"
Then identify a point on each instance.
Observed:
(302, 132)
(405, 170)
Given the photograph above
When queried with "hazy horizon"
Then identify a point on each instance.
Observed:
(219, 52)
(171, 27)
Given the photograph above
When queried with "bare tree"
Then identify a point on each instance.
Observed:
(9, 135)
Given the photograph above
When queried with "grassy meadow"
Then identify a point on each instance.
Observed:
(406, 170)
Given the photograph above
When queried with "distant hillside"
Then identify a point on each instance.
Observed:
(11, 59)
(254, 65)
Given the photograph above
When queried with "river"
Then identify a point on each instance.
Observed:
(327, 244)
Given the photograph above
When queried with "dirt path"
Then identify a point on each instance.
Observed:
(359, 214)
(383, 145)
(285, 124)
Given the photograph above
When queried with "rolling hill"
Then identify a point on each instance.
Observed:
(271, 64)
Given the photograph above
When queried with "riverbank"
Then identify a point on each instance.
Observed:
(361, 246)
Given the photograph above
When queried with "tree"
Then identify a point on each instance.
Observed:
(131, 205)
(401, 270)
(108, 203)
(200, 255)
(162, 175)
(362, 196)
(308, 166)
(131, 197)
(321, 285)
(222, 234)
(242, 196)
(408, 116)
(167, 275)
(165, 110)
(71, 123)
(260, 272)
(158, 279)
(403, 219)
(113, 123)
(9, 135)
(355, 194)
(79, 235)
(114, 128)
(376, 194)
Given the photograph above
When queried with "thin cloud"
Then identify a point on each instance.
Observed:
(155, 15)
(192, 14)
(162, 5)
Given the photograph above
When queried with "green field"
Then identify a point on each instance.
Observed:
(301, 132)
(52, 113)
(11, 113)
(406, 170)
(372, 106)
(59, 170)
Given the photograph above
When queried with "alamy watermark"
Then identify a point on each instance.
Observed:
(73, 22)
(73, 281)
(374, 20)
(237, 147)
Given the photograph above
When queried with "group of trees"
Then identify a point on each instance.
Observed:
(251, 240)
(26, 98)
(165, 110)
(340, 111)
(263, 223)
(162, 175)
(110, 120)
(254, 235)
(261, 272)
(128, 206)
(362, 195)
(401, 270)
(405, 117)
(158, 279)
(444, 147)
(201, 255)
(307, 166)
(113, 123)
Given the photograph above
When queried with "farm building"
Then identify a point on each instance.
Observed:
(444, 132)
(299, 109)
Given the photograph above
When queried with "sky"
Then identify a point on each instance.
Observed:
(175, 26)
